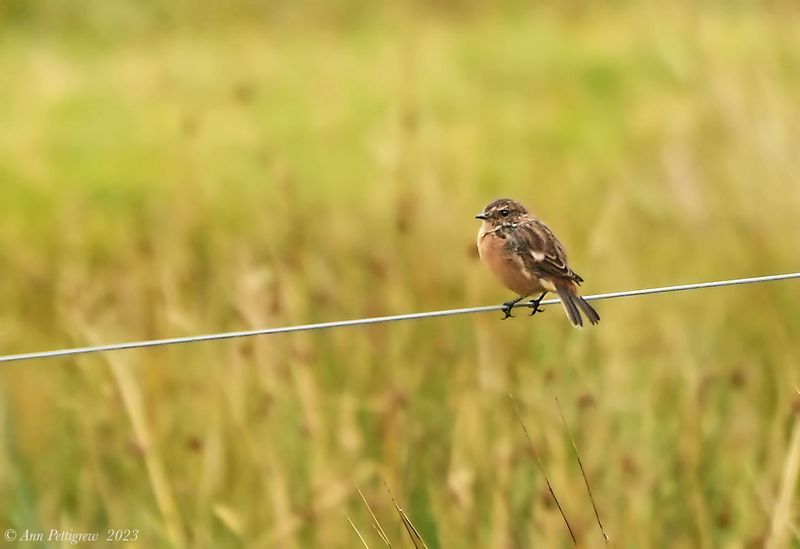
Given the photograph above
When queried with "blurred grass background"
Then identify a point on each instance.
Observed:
(191, 167)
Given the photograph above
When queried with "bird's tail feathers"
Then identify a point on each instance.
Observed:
(588, 310)
(573, 304)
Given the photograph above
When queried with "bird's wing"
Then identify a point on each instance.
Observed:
(540, 251)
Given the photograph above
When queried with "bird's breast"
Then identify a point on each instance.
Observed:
(507, 266)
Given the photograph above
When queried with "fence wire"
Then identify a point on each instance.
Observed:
(375, 320)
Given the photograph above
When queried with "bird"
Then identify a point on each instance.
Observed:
(526, 256)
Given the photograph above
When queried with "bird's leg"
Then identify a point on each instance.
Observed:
(534, 304)
(508, 305)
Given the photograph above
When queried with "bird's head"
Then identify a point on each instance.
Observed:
(503, 211)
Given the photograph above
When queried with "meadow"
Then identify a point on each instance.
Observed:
(171, 171)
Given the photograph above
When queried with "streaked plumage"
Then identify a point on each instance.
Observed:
(528, 259)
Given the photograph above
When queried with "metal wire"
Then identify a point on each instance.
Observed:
(375, 320)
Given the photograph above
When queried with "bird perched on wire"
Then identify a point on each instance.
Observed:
(528, 259)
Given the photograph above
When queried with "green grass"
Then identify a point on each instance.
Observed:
(174, 180)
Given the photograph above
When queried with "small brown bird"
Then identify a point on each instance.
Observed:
(527, 257)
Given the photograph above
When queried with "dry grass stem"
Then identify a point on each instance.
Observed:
(538, 461)
(583, 472)
(363, 541)
(375, 523)
(411, 530)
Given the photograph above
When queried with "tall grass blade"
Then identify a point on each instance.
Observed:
(583, 472)
(541, 469)
(375, 524)
(411, 530)
(357, 532)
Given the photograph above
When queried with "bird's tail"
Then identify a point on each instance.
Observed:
(573, 304)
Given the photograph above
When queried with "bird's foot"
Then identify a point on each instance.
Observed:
(507, 306)
(534, 305)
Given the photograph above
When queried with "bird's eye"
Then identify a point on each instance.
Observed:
(504, 213)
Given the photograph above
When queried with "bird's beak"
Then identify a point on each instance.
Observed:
(481, 216)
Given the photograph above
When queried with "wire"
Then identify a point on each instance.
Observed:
(374, 320)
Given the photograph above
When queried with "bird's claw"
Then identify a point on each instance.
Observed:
(535, 309)
(534, 305)
(507, 307)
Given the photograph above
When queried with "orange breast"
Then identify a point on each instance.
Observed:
(506, 266)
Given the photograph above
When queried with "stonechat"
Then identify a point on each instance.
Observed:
(528, 259)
